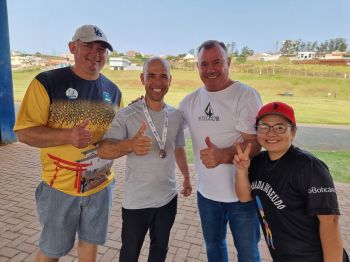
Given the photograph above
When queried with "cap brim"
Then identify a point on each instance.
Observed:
(108, 45)
(110, 48)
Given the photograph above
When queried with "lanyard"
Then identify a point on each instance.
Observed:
(161, 142)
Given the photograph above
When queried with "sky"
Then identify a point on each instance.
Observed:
(163, 27)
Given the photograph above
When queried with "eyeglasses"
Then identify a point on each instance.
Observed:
(278, 128)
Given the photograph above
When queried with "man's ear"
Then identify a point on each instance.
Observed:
(170, 78)
(142, 78)
(228, 61)
(72, 47)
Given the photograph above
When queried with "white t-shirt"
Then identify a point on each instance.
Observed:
(220, 115)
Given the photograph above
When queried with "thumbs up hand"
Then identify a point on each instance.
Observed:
(79, 136)
(141, 144)
(210, 156)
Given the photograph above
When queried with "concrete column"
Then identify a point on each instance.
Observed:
(7, 110)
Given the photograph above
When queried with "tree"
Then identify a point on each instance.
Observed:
(286, 47)
(290, 47)
(246, 51)
(192, 51)
(323, 47)
(139, 56)
(114, 54)
(314, 46)
(241, 59)
(171, 58)
(302, 46)
(179, 56)
(332, 45)
(231, 49)
(341, 45)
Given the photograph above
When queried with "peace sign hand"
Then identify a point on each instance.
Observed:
(241, 160)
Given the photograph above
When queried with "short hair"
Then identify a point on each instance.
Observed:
(149, 60)
(210, 44)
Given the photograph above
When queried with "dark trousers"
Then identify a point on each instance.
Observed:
(136, 223)
(345, 256)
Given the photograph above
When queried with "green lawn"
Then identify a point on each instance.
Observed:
(338, 163)
(310, 94)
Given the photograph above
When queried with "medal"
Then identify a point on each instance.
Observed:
(162, 153)
(161, 142)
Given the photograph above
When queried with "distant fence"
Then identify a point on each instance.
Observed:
(290, 72)
(278, 69)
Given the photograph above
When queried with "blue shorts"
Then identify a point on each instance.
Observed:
(62, 216)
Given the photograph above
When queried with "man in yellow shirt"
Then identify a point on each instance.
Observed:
(65, 113)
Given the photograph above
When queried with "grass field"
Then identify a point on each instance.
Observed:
(338, 163)
(316, 100)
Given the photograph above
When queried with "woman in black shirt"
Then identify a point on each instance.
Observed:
(293, 190)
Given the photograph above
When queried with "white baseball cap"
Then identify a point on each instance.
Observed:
(91, 33)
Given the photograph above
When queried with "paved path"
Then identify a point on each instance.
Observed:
(323, 137)
(319, 137)
(19, 228)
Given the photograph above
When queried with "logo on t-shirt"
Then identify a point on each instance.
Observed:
(318, 190)
(209, 114)
(268, 232)
(71, 93)
(107, 97)
(270, 192)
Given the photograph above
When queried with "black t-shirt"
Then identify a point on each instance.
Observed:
(290, 192)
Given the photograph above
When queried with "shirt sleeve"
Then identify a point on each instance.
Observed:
(118, 129)
(35, 107)
(247, 110)
(121, 104)
(182, 108)
(180, 137)
(318, 187)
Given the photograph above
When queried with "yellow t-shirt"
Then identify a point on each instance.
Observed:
(60, 99)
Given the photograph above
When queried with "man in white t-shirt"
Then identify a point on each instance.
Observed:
(220, 114)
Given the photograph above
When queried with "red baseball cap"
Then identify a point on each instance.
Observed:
(277, 108)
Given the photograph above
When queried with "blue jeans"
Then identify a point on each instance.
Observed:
(244, 225)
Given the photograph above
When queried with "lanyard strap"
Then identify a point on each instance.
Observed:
(160, 142)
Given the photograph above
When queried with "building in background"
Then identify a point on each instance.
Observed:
(118, 63)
